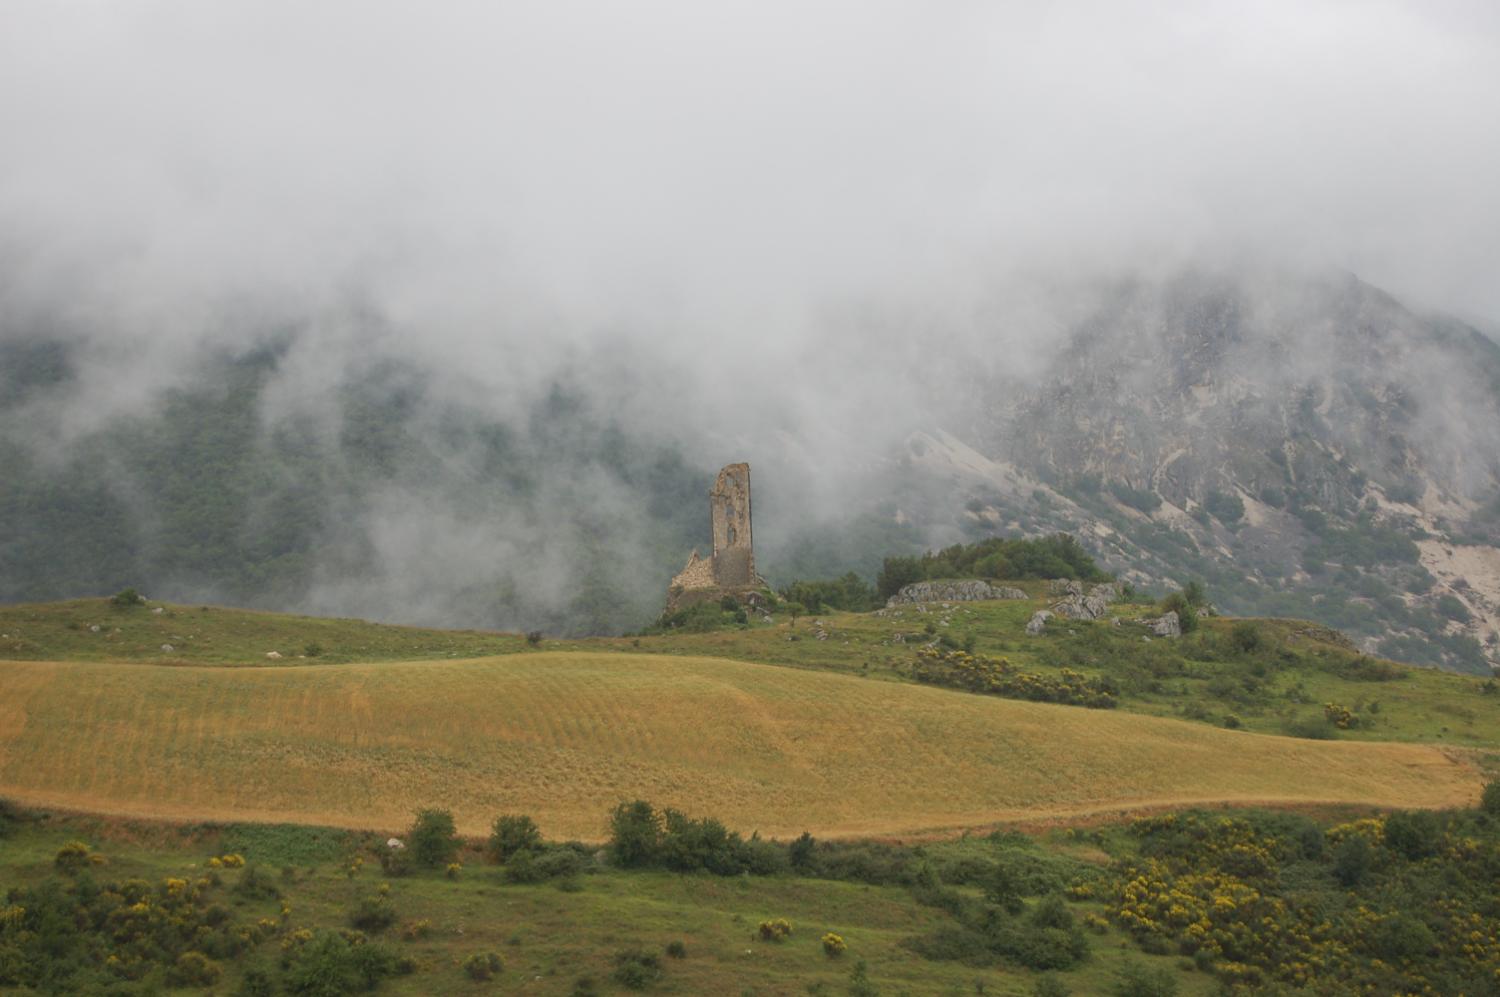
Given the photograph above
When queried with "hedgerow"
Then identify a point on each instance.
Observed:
(998, 677)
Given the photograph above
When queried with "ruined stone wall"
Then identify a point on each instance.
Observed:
(699, 574)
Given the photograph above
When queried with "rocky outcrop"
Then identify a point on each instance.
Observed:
(1078, 606)
(968, 590)
(1166, 625)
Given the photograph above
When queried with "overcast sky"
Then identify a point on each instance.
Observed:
(711, 169)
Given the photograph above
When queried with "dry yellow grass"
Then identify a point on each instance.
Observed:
(564, 736)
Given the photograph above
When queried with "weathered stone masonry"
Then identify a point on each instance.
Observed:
(730, 569)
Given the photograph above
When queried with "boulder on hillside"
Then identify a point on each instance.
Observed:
(965, 590)
(1166, 625)
(1038, 622)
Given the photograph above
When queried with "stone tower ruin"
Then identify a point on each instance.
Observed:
(730, 569)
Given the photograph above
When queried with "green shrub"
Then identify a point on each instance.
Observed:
(677, 950)
(1310, 728)
(126, 597)
(1400, 937)
(256, 884)
(1050, 986)
(636, 969)
(635, 832)
(373, 914)
(194, 969)
(433, 839)
(483, 966)
(1052, 912)
(800, 852)
(1489, 800)
(557, 862)
(256, 983)
(1225, 507)
(329, 965)
(1453, 608)
(74, 856)
(1352, 860)
(1414, 834)
(1136, 980)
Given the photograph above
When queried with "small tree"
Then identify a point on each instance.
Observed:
(1414, 834)
(796, 609)
(1003, 889)
(1352, 860)
(513, 833)
(127, 597)
(1489, 800)
(635, 832)
(433, 839)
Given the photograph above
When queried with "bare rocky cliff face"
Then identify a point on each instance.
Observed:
(1308, 448)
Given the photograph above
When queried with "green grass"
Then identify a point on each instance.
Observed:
(549, 937)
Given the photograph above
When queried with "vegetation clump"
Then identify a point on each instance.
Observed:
(998, 677)
(483, 966)
(1057, 556)
(433, 838)
(778, 930)
(513, 833)
(1262, 903)
(636, 969)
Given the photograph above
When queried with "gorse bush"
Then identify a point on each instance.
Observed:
(74, 857)
(777, 930)
(483, 966)
(998, 677)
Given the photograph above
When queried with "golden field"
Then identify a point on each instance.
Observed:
(564, 736)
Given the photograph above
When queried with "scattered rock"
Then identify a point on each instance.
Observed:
(968, 590)
(167, 649)
(274, 655)
(157, 611)
(1038, 622)
(94, 629)
(395, 844)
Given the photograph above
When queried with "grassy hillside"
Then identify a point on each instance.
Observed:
(1281, 684)
(562, 937)
(564, 735)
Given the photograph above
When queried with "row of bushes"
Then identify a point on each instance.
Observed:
(959, 669)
